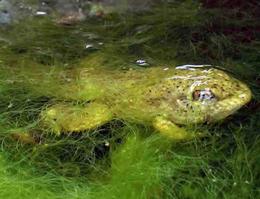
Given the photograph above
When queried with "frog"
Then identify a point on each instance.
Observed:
(165, 98)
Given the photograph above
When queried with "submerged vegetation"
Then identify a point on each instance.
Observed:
(123, 159)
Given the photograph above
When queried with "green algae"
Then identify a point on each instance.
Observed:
(223, 165)
(149, 167)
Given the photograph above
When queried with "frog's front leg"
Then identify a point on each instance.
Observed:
(75, 118)
(172, 131)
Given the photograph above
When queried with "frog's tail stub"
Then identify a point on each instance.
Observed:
(172, 131)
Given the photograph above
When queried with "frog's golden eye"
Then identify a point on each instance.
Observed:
(201, 95)
(196, 95)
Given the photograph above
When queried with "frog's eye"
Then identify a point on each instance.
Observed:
(202, 95)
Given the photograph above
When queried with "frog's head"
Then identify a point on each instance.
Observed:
(208, 96)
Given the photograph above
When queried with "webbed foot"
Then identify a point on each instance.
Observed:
(23, 137)
(75, 118)
(172, 131)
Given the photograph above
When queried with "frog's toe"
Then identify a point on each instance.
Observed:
(23, 137)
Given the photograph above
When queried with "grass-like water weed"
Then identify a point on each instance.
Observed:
(120, 159)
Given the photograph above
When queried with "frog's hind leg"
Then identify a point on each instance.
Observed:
(172, 131)
(69, 118)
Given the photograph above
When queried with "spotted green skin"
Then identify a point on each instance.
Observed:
(158, 96)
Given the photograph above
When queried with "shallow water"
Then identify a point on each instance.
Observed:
(123, 158)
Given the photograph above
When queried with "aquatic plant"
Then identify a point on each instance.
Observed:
(122, 159)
